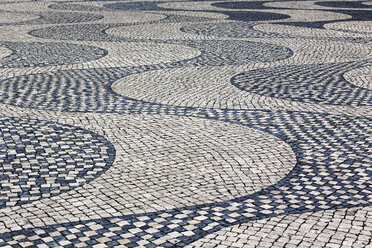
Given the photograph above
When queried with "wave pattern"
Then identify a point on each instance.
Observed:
(185, 124)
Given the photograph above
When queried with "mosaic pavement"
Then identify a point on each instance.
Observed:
(185, 123)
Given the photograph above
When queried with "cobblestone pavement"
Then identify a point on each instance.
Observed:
(140, 123)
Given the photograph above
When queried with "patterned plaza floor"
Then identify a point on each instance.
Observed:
(172, 123)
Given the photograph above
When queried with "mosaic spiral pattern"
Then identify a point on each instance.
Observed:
(185, 123)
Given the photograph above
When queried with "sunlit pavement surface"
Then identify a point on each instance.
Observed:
(185, 123)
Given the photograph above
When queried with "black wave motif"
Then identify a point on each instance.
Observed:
(89, 90)
(242, 5)
(42, 159)
(317, 83)
(135, 6)
(333, 172)
(57, 18)
(356, 15)
(76, 7)
(28, 54)
(344, 4)
(253, 16)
